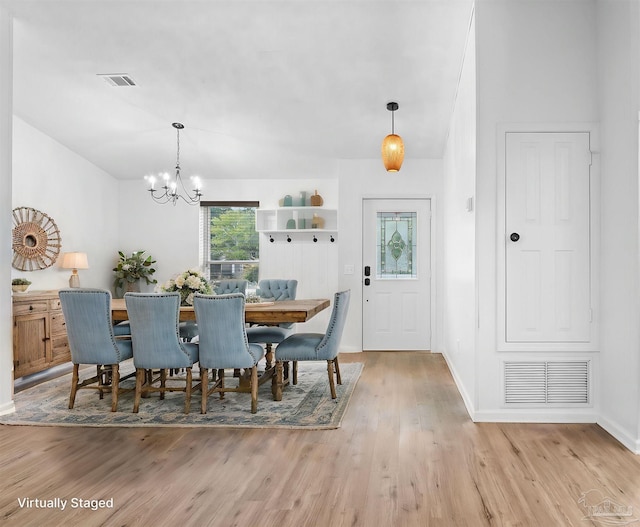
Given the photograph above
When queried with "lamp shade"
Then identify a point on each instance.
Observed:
(392, 152)
(75, 260)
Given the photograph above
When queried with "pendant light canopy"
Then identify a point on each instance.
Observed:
(392, 146)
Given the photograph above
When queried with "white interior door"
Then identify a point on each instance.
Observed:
(547, 242)
(396, 290)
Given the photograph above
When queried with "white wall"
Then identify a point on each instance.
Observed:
(535, 64)
(6, 106)
(367, 178)
(78, 196)
(459, 284)
(618, 61)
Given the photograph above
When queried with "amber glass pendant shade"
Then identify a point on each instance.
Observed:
(392, 146)
(392, 152)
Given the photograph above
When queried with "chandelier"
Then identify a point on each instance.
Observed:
(172, 190)
(392, 145)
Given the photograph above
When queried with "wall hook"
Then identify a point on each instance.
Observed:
(315, 239)
(331, 239)
(288, 238)
(271, 238)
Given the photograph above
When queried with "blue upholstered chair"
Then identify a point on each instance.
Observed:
(315, 346)
(87, 314)
(223, 345)
(189, 329)
(276, 290)
(156, 344)
(226, 287)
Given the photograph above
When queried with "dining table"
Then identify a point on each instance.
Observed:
(265, 313)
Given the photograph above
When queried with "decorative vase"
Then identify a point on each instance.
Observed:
(20, 288)
(316, 200)
(317, 222)
(133, 287)
(288, 201)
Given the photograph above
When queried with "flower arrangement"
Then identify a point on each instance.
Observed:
(187, 284)
(132, 268)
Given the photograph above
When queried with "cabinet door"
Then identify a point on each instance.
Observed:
(30, 343)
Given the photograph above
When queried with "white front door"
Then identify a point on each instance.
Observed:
(547, 239)
(396, 281)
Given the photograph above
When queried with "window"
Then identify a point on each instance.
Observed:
(230, 247)
(396, 244)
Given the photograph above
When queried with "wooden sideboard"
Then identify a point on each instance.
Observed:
(39, 334)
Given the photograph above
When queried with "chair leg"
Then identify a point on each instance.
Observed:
(337, 366)
(254, 389)
(115, 383)
(99, 375)
(332, 384)
(74, 385)
(295, 372)
(204, 386)
(187, 401)
(163, 382)
(221, 382)
(276, 388)
(140, 377)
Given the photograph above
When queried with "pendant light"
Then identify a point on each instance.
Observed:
(392, 146)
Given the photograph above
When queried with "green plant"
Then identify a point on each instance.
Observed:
(133, 268)
(187, 284)
(20, 281)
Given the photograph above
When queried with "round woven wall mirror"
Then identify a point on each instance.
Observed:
(36, 240)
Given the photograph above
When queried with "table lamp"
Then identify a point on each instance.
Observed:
(74, 261)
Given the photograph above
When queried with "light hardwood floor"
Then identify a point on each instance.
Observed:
(406, 454)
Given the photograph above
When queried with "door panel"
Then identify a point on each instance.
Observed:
(396, 248)
(547, 239)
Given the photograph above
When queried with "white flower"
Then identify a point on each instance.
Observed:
(194, 282)
(179, 281)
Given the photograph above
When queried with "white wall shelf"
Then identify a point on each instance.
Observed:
(297, 220)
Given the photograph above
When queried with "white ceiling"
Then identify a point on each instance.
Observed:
(264, 88)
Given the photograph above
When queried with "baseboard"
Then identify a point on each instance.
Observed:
(468, 402)
(620, 434)
(537, 415)
(7, 408)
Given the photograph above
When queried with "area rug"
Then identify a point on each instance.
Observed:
(307, 405)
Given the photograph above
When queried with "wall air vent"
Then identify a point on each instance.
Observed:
(117, 79)
(546, 383)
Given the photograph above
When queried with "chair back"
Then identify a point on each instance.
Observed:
(154, 331)
(87, 315)
(226, 287)
(276, 289)
(330, 344)
(223, 338)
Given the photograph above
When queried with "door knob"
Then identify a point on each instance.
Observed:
(514, 236)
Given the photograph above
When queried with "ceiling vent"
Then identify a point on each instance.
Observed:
(547, 383)
(117, 79)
